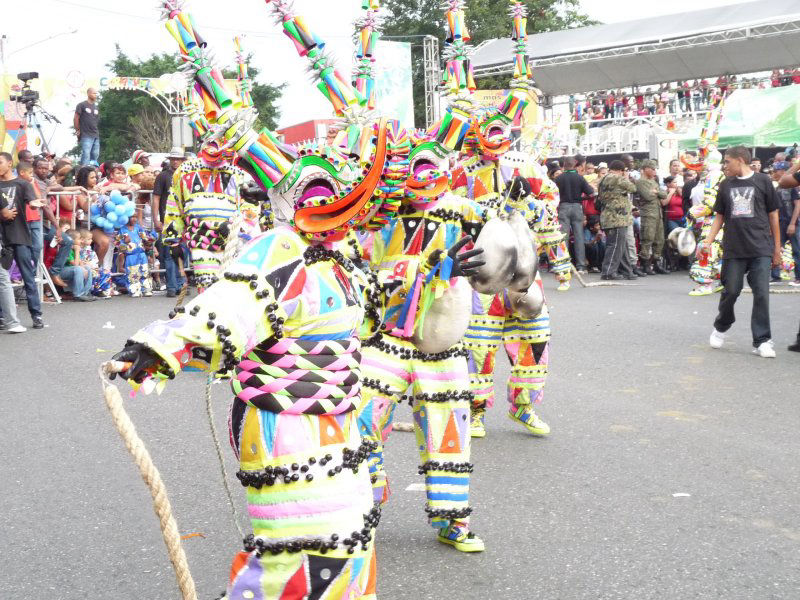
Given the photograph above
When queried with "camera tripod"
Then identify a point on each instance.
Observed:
(33, 121)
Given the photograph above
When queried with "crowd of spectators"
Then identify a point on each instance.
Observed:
(681, 97)
(618, 215)
(48, 209)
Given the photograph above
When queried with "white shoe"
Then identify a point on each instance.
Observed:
(765, 350)
(17, 329)
(717, 339)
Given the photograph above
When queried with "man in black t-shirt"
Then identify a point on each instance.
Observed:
(161, 189)
(15, 195)
(748, 207)
(572, 187)
(87, 128)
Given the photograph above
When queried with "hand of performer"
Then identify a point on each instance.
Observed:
(702, 248)
(462, 266)
(141, 359)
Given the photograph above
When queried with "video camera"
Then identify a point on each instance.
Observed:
(27, 96)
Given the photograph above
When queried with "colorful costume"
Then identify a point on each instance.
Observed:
(201, 204)
(286, 315)
(495, 320)
(101, 280)
(137, 269)
(705, 271)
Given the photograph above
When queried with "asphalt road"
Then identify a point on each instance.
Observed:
(671, 471)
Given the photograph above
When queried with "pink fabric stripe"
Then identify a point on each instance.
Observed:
(526, 379)
(399, 371)
(444, 376)
(301, 508)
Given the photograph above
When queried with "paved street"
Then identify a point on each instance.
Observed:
(671, 471)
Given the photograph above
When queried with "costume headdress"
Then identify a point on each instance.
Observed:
(709, 139)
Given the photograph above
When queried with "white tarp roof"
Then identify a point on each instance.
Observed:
(740, 38)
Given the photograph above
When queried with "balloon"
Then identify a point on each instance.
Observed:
(120, 209)
(109, 229)
(108, 207)
(117, 197)
(112, 218)
(101, 221)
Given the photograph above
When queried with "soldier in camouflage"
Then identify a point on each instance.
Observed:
(650, 209)
(614, 196)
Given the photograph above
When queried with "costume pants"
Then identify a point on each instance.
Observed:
(526, 342)
(758, 273)
(440, 398)
(570, 216)
(319, 506)
(138, 273)
(708, 273)
(616, 258)
(206, 265)
(652, 237)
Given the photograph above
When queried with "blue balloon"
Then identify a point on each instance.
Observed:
(101, 221)
(112, 217)
(117, 197)
(120, 209)
(131, 209)
(108, 229)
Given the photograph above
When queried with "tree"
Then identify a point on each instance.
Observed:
(131, 120)
(486, 20)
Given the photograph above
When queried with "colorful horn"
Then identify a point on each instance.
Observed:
(458, 77)
(229, 124)
(367, 35)
(342, 96)
(245, 84)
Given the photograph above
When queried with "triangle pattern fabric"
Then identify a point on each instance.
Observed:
(526, 359)
(461, 416)
(497, 307)
(451, 444)
(329, 431)
(249, 579)
(280, 277)
(329, 300)
(322, 570)
(297, 586)
(538, 351)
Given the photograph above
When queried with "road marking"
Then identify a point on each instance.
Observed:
(416, 487)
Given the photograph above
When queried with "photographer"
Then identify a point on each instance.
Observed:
(87, 128)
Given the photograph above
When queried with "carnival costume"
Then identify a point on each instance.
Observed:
(286, 314)
(504, 318)
(705, 271)
(202, 202)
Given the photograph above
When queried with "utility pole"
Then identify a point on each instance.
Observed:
(430, 49)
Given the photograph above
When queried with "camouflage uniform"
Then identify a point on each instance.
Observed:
(615, 217)
(652, 230)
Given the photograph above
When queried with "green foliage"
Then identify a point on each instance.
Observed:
(486, 19)
(121, 112)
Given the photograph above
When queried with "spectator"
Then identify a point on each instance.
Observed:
(15, 197)
(651, 200)
(87, 128)
(755, 165)
(614, 199)
(595, 243)
(775, 79)
(786, 77)
(630, 167)
(602, 171)
(25, 156)
(101, 279)
(675, 212)
(748, 207)
(140, 157)
(676, 173)
(788, 213)
(76, 274)
(161, 190)
(572, 187)
(589, 173)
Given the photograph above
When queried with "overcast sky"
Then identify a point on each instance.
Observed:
(134, 26)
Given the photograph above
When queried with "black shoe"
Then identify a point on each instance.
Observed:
(594, 270)
(660, 270)
(649, 270)
(85, 299)
(638, 272)
(2, 324)
(612, 277)
(795, 347)
(631, 277)
(38, 323)
(171, 294)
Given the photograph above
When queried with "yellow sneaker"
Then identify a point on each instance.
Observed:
(530, 420)
(563, 287)
(460, 538)
(702, 290)
(477, 428)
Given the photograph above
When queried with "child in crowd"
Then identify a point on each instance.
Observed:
(146, 180)
(101, 279)
(75, 273)
(131, 245)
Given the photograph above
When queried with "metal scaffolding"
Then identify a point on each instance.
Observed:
(430, 49)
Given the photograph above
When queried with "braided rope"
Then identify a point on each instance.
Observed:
(599, 283)
(774, 291)
(151, 478)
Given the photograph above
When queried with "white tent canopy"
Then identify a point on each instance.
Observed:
(741, 38)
